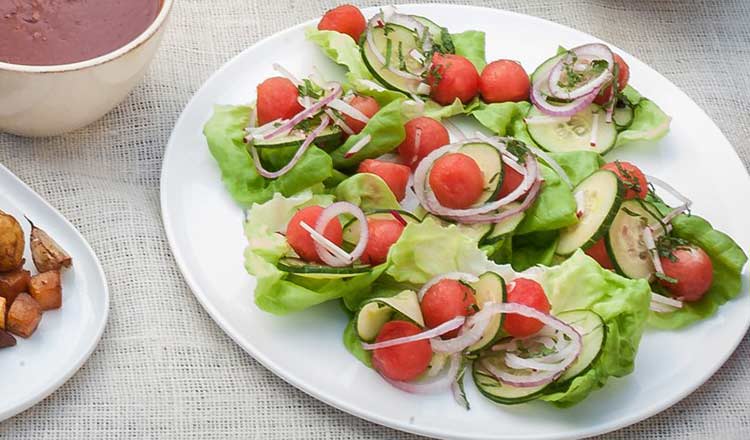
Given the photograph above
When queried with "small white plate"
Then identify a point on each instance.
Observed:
(204, 228)
(36, 367)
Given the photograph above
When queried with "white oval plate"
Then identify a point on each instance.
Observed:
(204, 227)
(36, 367)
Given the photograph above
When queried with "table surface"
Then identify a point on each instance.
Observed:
(163, 368)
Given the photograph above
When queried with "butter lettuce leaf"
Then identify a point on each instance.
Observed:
(553, 209)
(728, 260)
(650, 123)
(428, 249)
(224, 134)
(471, 45)
(501, 118)
(386, 131)
(580, 283)
(341, 49)
(367, 191)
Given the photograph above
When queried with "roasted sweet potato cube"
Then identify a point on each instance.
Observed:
(47, 289)
(13, 283)
(3, 310)
(6, 339)
(24, 316)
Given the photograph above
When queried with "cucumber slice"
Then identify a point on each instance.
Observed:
(378, 311)
(548, 64)
(398, 36)
(329, 138)
(623, 117)
(624, 241)
(602, 194)
(593, 331)
(574, 135)
(490, 162)
(498, 392)
(351, 228)
(433, 28)
(489, 288)
(310, 270)
(503, 228)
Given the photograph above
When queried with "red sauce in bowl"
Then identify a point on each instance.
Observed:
(54, 32)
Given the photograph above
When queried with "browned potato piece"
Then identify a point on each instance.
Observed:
(46, 253)
(13, 283)
(11, 243)
(6, 339)
(47, 290)
(24, 316)
(3, 310)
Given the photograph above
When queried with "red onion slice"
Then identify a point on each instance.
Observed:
(457, 276)
(518, 363)
(347, 109)
(660, 308)
(372, 85)
(304, 114)
(496, 218)
(328, 214)
(664, 304)
(440, 383)
(470, 335)
(424, 89)
(538, 98)
(279, 68)
(258, 132)
(686, 202)
(594, 140)
(443, 328)
(589, 53)
(358, 146)
(297, 156)
(332, 248)
(417, 144)
(536, 378)
(454, 130)
(339, 122)
(538, 152)
(648, 240)
(430, 202)
(376, 21)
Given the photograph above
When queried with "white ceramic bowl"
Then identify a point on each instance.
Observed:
(51, 100)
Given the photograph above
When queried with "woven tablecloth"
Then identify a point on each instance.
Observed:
(164, 370)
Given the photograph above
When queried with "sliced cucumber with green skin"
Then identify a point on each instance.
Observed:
(351, 228)
(503, 228)
(310, 270)
(575, 134)
(329, 138)
(499, 392)
(593, 332)
(378, 311)
(547, 65)
(602, 193)
(490, 162)
(624, 240)
(623, 117)
(433, 28)
(408, 40)
(489, 288)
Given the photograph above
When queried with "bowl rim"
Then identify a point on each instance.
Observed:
(146, 35)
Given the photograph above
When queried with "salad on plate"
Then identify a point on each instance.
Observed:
(510, 251)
